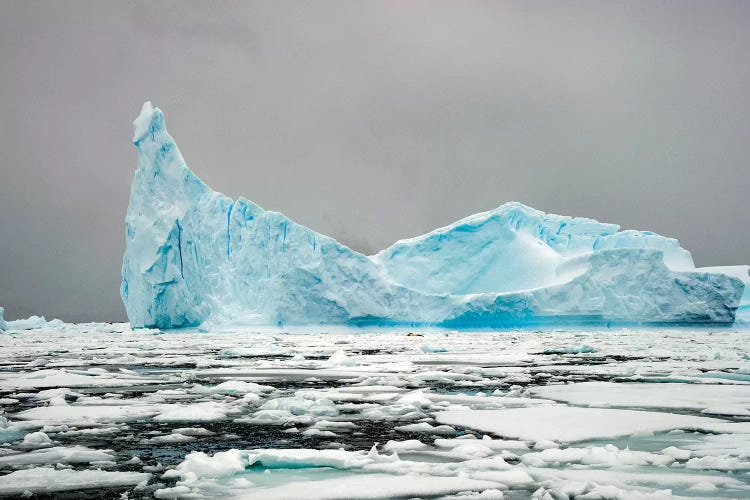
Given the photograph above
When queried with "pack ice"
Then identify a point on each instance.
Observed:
(194, 255)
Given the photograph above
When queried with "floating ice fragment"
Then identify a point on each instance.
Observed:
(441, 430)
(565, 423)
(47, 480)
(173, 492)
(55, 455)
(339, 358)
(175, 437)
(313, 431)
(302, 406)
(676, 453)
(372, 486)
(649, 395)
(342, 426)
(34, 323)
(609, 456)
(717, 463)
(240, 387)
(36, 440)
(87, 415)
(193, 431)
(289, 459)
(198, 412)
(402, 446)
(199, 465)
(584, 349)
(427, 348)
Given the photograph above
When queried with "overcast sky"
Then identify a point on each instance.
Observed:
(368, 121)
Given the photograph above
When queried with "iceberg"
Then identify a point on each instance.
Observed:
(34, 323)
(195, 256)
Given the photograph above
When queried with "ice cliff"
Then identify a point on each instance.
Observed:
(194, 256)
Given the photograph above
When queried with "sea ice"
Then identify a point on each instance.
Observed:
(82, 415)
(329, 428)
(33, 323)
(58, 455)
(198, 412)
(424, 427)
(36, 440)
(240, 387)
(194, 256)
(62, 377)
(567, 424)
(201, 465)
(720, 399)
(47, 480)
(609, 456)
(371, 486)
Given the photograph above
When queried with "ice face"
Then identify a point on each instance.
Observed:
(2, 319)
(195, 256)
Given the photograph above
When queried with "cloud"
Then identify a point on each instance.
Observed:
(368, 121)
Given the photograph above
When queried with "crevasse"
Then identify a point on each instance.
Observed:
(194, 256)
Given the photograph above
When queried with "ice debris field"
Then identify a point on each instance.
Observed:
(511, 354)
(197, 257)
(104, 411)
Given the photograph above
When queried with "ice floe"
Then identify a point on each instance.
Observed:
(568, 424)
(47, 480)
(267, 414)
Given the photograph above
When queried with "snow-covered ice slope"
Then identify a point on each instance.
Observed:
(194, 255)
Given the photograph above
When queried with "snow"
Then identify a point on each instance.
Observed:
(196, 257)
(568, 424)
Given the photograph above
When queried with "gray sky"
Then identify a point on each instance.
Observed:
(368, 121)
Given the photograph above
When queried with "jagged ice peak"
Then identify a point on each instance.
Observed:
(195, 257)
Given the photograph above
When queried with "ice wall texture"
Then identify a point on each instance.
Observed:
(195, 256)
